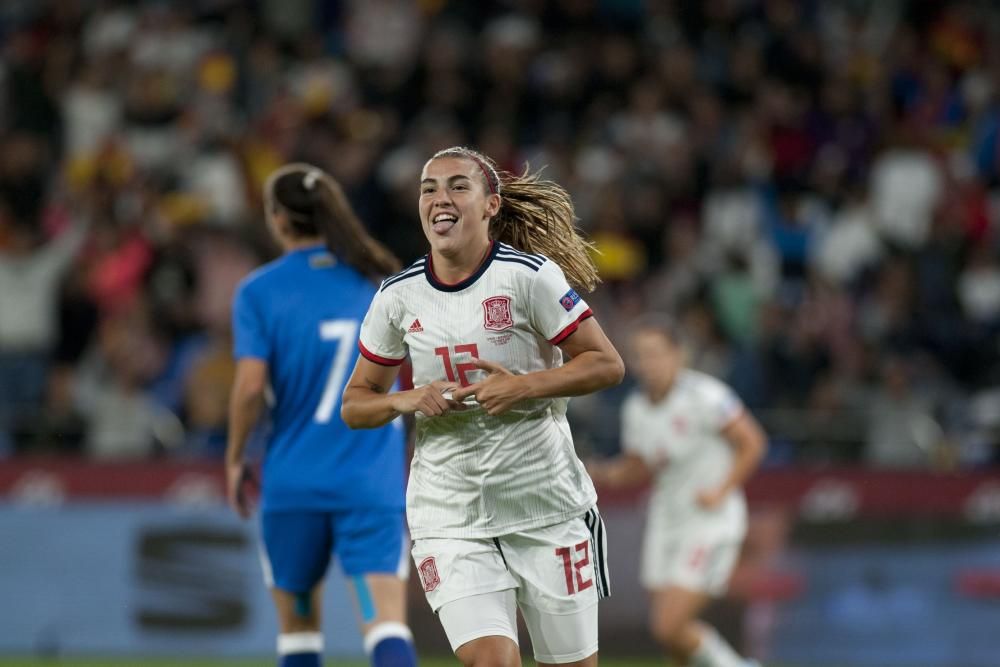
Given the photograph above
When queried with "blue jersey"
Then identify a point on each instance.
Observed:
(301, 314)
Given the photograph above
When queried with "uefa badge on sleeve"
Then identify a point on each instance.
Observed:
(496, 313)
(429, 574)
(569, 300)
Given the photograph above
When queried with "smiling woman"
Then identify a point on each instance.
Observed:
(502, 512)
(534, 215)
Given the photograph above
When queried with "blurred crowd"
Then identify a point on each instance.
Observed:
(811, 188)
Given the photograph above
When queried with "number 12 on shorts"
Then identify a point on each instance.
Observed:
(574, 578)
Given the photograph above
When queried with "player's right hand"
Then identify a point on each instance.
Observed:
(430, 400)
(241, 483)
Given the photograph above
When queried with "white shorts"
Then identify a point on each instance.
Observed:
(691, 562)
(555, 575)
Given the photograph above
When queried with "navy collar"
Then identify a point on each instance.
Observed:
(439, 284)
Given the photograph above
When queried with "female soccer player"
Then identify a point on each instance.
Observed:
(501, 510)
(691, 433)
(326, 489)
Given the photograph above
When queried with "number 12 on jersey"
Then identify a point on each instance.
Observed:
(460, 369)
(344, 332)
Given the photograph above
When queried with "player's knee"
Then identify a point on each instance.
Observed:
(490, 659)
(667, 631)
(484, 659)
(489, 652)
(390, 644)
(298, 613)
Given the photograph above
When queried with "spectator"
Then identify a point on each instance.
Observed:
(725, 158)
(902, 430)
(30, 274)
(124, 422)
(979, 286)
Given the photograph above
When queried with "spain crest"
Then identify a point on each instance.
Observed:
(429, 574)
(496, 313)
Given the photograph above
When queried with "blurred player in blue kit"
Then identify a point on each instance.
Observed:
(326, 490)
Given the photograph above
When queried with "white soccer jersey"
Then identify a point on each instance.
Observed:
(474, 475)
(680, 438)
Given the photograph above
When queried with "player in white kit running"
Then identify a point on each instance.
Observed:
(501, 511)
(690, 434)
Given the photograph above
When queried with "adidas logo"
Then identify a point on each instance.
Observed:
(415, 327)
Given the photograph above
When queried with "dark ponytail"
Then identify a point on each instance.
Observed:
(316, 205)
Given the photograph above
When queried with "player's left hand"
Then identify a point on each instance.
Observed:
(710, 499)
(498, 392)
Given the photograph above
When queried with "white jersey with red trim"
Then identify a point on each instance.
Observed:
(474, 475)
(680, 437)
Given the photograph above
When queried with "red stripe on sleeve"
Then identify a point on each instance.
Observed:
(568, 331)
(381, 361)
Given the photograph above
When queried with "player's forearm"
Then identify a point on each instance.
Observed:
(747, 463)
(624, 473)
(244, 411)
(632, 473)
(750, 447)
(585, 373)
(365, 408)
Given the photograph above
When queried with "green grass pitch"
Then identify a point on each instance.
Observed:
(195, 662)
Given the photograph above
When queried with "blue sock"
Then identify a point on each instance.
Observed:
(300, 660)
(390, 645)
(300, 649)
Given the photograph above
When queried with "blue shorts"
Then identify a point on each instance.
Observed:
(298, 545)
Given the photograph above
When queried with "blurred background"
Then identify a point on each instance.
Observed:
(811, 187)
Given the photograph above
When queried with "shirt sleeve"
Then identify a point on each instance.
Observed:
(722, 405)
(381, 340)
(249, 327)
(61, 251)
(556, 308)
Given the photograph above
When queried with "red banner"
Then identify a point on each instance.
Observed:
(816, 494)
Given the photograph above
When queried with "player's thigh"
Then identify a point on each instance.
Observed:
(296, 549)
(482, 628)
(562, 575)
(371, 541)
(564, 638)
(467, 584)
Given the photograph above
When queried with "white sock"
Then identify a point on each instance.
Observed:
(300, 642)
(385, 630)
(714, 651)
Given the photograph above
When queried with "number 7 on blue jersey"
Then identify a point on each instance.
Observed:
(345, 333)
